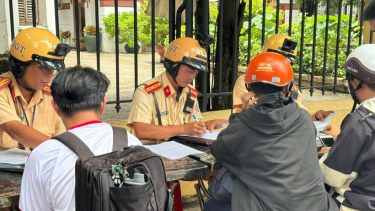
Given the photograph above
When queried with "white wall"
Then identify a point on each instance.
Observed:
(295, 13)
(5, 32)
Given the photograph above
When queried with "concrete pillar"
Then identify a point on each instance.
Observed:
(366, 30)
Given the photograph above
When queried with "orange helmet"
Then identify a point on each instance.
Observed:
(271, 68)
(282, 44)
(36, 45)
(185, 50)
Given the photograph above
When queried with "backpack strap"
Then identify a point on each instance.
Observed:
(120, 138)
(75, 144)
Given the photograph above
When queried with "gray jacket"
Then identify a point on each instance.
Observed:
(271, 149)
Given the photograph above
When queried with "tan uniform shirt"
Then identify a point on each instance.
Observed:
(240, 89)
(45, 120)
(171, 111)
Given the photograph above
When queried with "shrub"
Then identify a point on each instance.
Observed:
(91, 30)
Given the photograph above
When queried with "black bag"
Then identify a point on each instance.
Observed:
(95, 189)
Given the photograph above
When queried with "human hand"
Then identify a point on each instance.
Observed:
(324, 150)
(321, 115)
(195, 129)
(216, 123)
(332, 129)
(248, 100)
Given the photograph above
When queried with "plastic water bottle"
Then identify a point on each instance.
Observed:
(138, 179)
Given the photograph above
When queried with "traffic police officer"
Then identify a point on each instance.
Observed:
(167, 105)
(26, 114)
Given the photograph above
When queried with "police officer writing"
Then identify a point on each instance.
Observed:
(26, 114)
(167, 105)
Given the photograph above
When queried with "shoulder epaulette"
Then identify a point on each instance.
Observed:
(194, 92)
(152, 87)
(295, 88)
(4, 82)
(47, 89)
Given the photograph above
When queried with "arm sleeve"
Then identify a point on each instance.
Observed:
(141, 107)
(7, 109)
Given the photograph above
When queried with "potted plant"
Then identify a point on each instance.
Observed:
(82, 45)
(64, 36)
(90, 37)
(126, 29)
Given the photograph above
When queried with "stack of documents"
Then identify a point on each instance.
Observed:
(173, 150)
(13, 159)
(321, 125)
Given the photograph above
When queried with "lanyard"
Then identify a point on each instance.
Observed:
(24, 113)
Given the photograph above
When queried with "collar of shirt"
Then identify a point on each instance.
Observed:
(85, 123)
(16, 92)
(366, 100)
(167, 83)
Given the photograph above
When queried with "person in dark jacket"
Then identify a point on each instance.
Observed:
(349, 166)
(271, 147)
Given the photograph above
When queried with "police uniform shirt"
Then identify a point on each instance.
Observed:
(45, 118)
(240, 89)
(171, 111)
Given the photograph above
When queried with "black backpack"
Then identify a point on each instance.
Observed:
(97, 178)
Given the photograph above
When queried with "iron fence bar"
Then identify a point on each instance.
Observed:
(361, 23)
(33, 12)
(313, 48)
(11, 19)
(249, 31)
(179, 16)
(346, 9)
(117, 107)
(350, 27)
(135, 43)
(301, 47)
(337, 44)
(325, 86)
(210, 95)
(290, 17)
(277, 16)
(97, 35)
(57, 18)
(117, 102)
(220, 47)
(172, 18)
(153, 38)
(371, 34)
(76, 13)
(189, 18)
(325, 48)
(264, 20)
(235, 54)
(206, 82)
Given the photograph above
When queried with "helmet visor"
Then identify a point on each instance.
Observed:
(195, 63)
(53, 64)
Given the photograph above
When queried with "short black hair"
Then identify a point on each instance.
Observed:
(261, 89)
(369, 13)
(79, 88)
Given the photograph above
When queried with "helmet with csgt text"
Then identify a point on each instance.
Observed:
(271, 68)
(185, 50)
(361, 63)
(36, 45)
(281, 44)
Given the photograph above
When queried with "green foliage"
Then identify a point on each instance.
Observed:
(332, 3)
(91, 30)
(81, 39)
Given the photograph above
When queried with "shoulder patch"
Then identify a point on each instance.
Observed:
(152, 87)
(194, 92)
(4, 82)
(47, 89)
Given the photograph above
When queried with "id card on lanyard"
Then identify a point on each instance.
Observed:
(24, 114)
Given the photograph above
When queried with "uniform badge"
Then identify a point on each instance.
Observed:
(164, 113)
(152, 87)
(197, 108)
(167, 91)
(4, 82)
(47, 89)
(295, 88)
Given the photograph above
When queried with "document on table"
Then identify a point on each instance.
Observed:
(173, 150)
(13, 158)
(321, 125)
(208, 135)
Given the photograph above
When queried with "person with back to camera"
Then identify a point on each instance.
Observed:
(270, 148)
(26, 115)
(48, 182)
(286, 46)
(349, 166)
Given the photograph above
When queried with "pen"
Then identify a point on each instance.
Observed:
(195, 118)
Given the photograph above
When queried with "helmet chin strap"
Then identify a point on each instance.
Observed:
(26, 88)
(352, 93)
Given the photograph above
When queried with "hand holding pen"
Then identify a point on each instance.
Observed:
(196, 128)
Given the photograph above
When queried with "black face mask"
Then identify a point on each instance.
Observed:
(352, 91)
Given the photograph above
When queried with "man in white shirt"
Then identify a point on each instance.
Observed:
(48, 182)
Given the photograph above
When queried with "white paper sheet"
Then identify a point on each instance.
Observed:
(173, 150)
(208, 135)
(14, 157)
(321, 125)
